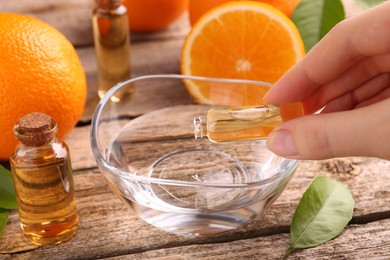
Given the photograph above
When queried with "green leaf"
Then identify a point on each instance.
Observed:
(3, 219)
(315, 18)
(324, 210)
(7, 191)
(369, 3)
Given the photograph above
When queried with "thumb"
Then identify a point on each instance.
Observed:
(360, 132)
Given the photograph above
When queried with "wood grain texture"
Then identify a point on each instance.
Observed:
(273, 247)
(74, 19)
(147, 58)
(110, 230)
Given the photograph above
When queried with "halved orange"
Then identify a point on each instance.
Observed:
(240, 40)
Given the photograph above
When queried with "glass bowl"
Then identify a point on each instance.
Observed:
(142, 137)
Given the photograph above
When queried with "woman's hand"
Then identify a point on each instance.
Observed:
(348, 75)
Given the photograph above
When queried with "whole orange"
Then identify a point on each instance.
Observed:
(152, 15)
(39, 72)
(198, 7)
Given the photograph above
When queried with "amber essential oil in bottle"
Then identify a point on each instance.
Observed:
(244, 123)
(111, 37)
(232, 124)
(42, 174)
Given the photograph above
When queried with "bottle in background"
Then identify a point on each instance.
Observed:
(42, 174)
(111, 37)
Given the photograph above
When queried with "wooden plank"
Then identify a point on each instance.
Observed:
(154, 57)
(71, 17)
(74, 19)
(147, 58)
(354, 243)
(177, 30)
(108, 228)
(80, 148)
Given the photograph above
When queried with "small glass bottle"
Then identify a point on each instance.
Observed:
(112, 46)
(42, 174)
(243, 123)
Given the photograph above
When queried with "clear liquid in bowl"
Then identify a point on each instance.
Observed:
(193, 187)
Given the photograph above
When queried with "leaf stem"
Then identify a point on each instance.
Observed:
(288, 251)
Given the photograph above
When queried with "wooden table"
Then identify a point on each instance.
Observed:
(108, 229)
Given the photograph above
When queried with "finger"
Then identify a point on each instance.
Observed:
(347, 83)
(374, 88)
(375, 99)
(348, 42)
(360, 132)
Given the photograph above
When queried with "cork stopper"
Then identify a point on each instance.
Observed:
(35, 129)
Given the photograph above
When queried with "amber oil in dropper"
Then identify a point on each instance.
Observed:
(42, 174)
(243, 123)
(112, 46)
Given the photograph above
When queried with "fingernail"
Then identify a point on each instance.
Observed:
(281, 143)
